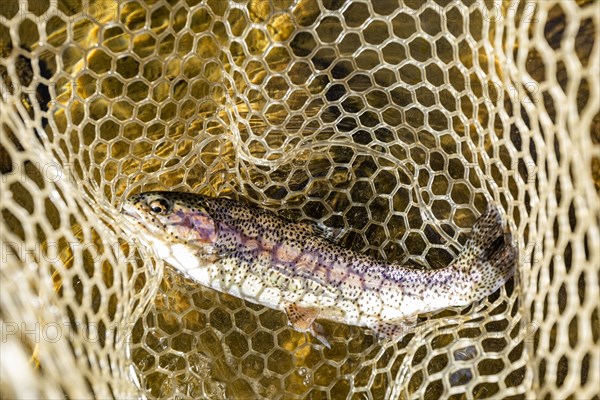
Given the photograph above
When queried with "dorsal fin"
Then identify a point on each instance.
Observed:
(331, 234)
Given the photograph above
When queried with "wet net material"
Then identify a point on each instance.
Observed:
(393, 123)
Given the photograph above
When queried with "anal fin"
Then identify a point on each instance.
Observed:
(394, 329)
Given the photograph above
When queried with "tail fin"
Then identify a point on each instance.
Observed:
(489, 257)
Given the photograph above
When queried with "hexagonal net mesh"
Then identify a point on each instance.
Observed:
(393, 122)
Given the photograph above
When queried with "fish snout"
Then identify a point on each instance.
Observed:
(130, 210)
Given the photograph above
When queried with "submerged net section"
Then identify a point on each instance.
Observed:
(392, 122)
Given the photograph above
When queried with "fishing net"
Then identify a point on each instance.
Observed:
(392, 123)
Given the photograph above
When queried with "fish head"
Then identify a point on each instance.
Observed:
(169, 218)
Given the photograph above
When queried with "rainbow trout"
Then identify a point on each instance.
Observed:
(258, 256)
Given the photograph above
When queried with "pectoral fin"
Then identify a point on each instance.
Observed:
(303, 320)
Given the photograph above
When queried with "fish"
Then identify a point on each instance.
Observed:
(251, 253)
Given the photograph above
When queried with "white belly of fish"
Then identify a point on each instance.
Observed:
(262, 285)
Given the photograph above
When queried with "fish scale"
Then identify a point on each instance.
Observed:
(254, 254)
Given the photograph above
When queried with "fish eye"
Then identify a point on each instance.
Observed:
(160, 206)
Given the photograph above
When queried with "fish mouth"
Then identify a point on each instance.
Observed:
(137, 221)
(131, 211)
